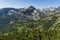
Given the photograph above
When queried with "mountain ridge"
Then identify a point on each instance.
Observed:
(23, 15)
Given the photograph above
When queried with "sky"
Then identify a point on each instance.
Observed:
(26, 3)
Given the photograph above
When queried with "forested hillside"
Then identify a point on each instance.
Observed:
(44, 29)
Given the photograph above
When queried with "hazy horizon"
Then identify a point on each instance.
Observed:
(26, 3)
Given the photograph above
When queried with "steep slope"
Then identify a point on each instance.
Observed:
(44, 29)
(9, 16)
(47, 22)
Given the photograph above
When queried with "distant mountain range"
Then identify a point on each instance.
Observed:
(9, 16)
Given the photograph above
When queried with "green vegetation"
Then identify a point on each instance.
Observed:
(43, 29)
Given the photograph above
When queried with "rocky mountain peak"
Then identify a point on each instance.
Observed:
(31, 7)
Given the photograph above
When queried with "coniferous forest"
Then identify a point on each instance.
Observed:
(44, 29)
